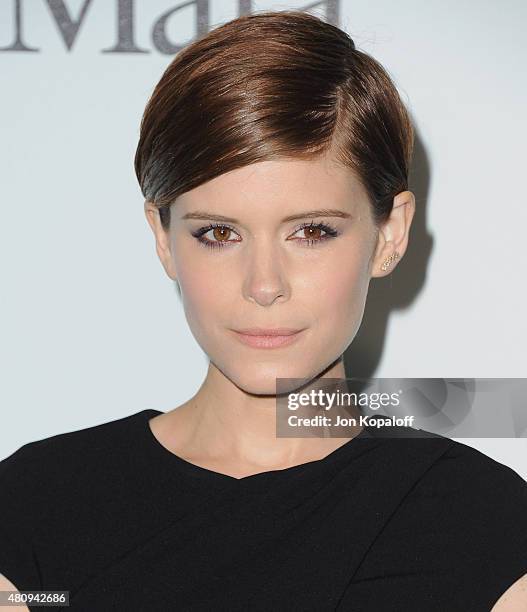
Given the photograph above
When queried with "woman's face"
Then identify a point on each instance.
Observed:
(261, 269)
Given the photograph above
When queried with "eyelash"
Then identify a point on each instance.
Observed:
(215, 244)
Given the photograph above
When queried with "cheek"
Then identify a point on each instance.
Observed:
(350, 289)
(341, 288)
(329, 295)
(205, 298)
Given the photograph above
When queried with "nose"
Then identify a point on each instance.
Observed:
(264, 279)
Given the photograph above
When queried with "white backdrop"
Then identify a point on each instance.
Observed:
(92, 329)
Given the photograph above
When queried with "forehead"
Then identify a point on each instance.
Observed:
(278, 187)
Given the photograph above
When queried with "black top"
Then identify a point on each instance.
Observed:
(381, 524)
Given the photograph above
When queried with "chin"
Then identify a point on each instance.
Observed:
(260, 379)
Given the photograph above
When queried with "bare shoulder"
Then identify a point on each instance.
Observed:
(514, 599)
(7, 585)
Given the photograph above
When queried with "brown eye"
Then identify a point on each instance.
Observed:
(312, 232)
(221, 233)
(220, 237)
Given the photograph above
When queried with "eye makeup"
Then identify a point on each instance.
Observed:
(330, 233)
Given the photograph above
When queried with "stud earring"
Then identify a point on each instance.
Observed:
(393, 257)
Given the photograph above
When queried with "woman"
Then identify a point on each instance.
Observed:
(273, 157)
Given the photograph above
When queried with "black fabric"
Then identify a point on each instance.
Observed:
(399, 523)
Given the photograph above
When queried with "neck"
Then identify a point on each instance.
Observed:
(223, 424)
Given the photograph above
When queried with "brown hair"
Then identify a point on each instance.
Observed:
(267, 86)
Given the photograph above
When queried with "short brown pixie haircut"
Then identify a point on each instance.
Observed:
(267, 86)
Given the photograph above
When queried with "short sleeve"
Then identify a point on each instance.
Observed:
(457, 541)
(18, 519)
(501, 523)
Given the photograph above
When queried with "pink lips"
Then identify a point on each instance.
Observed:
(268, 338)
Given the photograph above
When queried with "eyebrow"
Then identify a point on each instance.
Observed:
(323, 212)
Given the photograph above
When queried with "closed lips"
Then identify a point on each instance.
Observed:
(268, 332)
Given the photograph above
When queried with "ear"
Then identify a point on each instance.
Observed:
(394, 233)
(162, 238)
